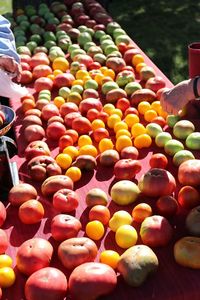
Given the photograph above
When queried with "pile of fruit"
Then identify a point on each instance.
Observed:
(96, 108)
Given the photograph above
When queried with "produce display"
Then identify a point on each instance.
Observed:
(108, 203)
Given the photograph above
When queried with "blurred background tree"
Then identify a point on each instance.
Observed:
(162, 29)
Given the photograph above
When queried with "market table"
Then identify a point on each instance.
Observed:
(171, 281)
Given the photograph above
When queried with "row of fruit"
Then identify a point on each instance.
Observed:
(96, 104)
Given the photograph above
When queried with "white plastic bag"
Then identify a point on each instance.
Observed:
(10, 89)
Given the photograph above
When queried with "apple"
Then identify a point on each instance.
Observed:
(64, 227)
(157, 182)
(46, 283)
(124, 192)
(173, 146)
(41, 71)
(36, 148)
(160, 121)
(91, 280)
(193, 141)
(156, 231)
(70, 117)
(41, 167)
(183, 128)
(33, 254)
(64, 92)
(128, 55)
(127, 168)
(4, 242)
(99, 134)
(55, 119)
(181, 156)
(65, 200)
(76, 251)
(21, 193)
(155, 83)
(162, 138)
(124, 77)
(85, 162)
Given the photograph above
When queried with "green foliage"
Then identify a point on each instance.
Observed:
(162, 29)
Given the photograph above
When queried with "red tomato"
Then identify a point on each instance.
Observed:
(123, 104)
(188, 197)
(167, 206)
(158, 160)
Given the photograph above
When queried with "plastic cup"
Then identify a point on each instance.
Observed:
(194, 59)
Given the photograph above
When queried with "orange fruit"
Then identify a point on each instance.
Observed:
(126, 236)
(118, 112)
(110, 73)
(109, 108)
(60, 63)
(155, 105)
(31, 212)
(98, 78)
(78, 82)
(57, 72)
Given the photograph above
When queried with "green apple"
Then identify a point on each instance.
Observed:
(106, 43)
(117, 32)
(98, 34)
(99, 57)
(181, 156)
(82, 28)
(162, 138)
(88, 45)
(105, 37)
(193, 141)
(40, 49)
(110, 48)
(76, 52)
(77, 88)
(153, 129)
(36, 38)
(31, 45)
(173, 146)
(122, 39)
(72, 47)
(49, 44)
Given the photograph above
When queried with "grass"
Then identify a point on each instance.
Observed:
(162, 29)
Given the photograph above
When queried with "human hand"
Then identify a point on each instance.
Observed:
(10, 65)
(173, 100)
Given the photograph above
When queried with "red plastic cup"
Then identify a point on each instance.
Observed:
(194, 59)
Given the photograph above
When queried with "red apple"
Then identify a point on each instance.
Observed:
(65, 141)
(47, 283)
(26, 77)
(128, 55)
(33, 254)
(158, 160)
(90, 93)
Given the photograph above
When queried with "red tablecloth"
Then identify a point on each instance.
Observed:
(171, 281)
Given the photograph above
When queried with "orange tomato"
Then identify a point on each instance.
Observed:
(100, 213)
(141, 211)
(142, 141)
(31, 212)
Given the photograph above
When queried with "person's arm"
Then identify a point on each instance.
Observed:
(9, 58)
(174, 99)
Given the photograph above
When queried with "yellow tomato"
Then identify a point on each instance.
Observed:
(112, 120)
(60, 63)
(122, 142)
(88, 150)
(5, 261)
(97, 124)
(139, 66)
(95, 230)
(155, 105)
(74, 173)
(7, 277)
(64, 160)
(137, 129)
(137, 59)
(84, 140)
(110, 258)
(71, 151)
(150, 115)
(110, 73)
(143, 107)
(120, 125)
(105, 144)
(126, 236)
(142, 141)
(131, 119)
(118, 112)
(122, 132)
(58, 101)
(109, 108)
(80, 74)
